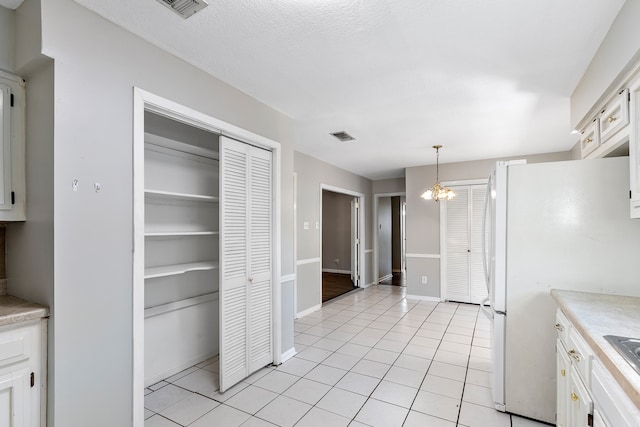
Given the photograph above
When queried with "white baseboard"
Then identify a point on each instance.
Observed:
(288, 354)
(383, 278)
(308, 311)
(423, 298)
(366, 285)
(331, 270)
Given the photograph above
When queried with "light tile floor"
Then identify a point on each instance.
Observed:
(369, 358)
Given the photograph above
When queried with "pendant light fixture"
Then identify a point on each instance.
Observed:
(437, 192)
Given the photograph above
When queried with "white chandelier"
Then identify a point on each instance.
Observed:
(437, 192)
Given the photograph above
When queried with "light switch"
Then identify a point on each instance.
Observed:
(305, 225)
(317, 225)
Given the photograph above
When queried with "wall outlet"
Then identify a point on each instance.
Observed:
(424, 280)
(336, 261)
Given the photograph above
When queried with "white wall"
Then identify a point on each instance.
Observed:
(423, 216)
(620, 47)
(311, 174)
(90, 285)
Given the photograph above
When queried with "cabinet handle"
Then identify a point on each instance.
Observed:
(574, 355)
(612, 119)
(575, 397)
(563, 372)
(559, 327)
(588, 140)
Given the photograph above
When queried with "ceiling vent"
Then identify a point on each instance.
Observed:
(185, 8)
(343, 136)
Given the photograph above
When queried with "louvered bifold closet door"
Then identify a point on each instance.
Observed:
(245, 260)
(458, 246)
(260, 259)
(477, 285)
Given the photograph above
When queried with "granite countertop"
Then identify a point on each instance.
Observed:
(595, 315)
(15, 310)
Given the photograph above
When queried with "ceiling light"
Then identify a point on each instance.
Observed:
(343, 136)
(437, 192)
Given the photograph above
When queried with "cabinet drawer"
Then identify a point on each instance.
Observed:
(562, 327)
(580, 355)
(615, 117)
(590, 138)
(15, 345)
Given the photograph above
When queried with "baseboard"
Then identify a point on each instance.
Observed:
(331, 270)
(288, 354)
(423, 298)
(383, 278)
(366, 285)
(308, 311)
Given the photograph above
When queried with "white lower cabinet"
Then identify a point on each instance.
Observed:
(21, 379)
(587, 393)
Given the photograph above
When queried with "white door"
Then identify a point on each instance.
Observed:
(355, 242)
(465, 279)
(245, 260)
(15, 399)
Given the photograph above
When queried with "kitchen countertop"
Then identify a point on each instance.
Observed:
(595, 315)
(15, 310)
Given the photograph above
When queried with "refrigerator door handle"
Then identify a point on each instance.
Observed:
(487, 311)
(487, 207)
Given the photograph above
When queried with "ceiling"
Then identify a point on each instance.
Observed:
(485, 79)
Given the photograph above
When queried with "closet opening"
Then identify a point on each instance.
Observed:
(390, 239)
(206, 262)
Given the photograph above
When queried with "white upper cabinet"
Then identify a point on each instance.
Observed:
(12, 179)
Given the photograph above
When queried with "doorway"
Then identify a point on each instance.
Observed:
(341, 248)
(390, 239)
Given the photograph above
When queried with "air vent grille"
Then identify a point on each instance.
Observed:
(343, 136)
(185, 8)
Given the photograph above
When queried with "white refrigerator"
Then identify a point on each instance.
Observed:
(562, 225)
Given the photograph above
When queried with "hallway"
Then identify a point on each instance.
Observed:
(369, 358)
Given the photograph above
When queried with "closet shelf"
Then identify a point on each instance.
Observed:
(172, 144)
(160, 195)
(174, 270)
(180, 233)
(179, 305)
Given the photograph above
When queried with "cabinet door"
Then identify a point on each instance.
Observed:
(15, 399)
(580, 403)
(563, 365)
(245, 260)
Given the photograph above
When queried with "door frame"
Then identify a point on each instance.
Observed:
(376, 200)
(361, 200)
(146, 101)
(443, 229)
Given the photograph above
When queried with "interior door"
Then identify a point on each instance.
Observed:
(355, 241)
(245, 260)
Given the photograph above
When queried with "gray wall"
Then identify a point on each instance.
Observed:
(336, 231)
(88, 282)
(311, 174)
(7, 30)
(423, 217)
(620, 46)
(393, 185)
(384, 236)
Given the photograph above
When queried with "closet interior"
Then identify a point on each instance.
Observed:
(181, 246)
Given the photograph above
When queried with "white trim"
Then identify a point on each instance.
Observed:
(383, 278)
(369, 284)
(308, 261)
(288, 354)
(423, 298)
(377, 196)
(146, 101)
(331, 270)
(295, 242)
(465, 182)
(308, 311)
(430, 256)
(368, 251)
(287, 278)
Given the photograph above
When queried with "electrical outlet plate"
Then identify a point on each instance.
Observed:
(424, 280)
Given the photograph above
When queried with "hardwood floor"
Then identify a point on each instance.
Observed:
(334, 285)
(398, 279)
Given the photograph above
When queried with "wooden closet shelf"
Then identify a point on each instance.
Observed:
(161, 141)
(160, 195)
(173, 270)
(179, 305)
(180, 233)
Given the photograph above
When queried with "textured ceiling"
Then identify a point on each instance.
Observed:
(485, 78)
